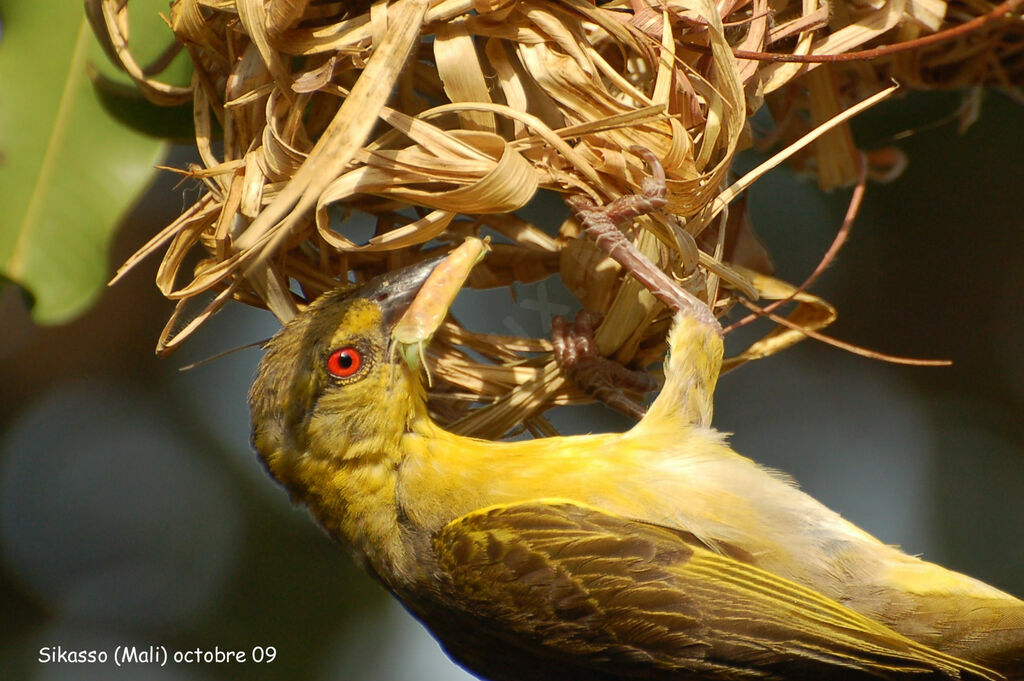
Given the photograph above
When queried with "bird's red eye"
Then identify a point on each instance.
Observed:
(344, 362)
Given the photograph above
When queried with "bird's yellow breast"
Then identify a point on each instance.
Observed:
(684, 478)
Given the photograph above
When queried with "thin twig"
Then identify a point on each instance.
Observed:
(830, 255)
(849, 347)
(885, 50)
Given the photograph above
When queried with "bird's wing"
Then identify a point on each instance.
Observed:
(572, 583)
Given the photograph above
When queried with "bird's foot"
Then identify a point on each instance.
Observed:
(602, 224)
(601, 378)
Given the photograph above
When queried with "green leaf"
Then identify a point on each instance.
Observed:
(128, 106)
(68, 169)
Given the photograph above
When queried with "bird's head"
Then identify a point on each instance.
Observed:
(329, 386)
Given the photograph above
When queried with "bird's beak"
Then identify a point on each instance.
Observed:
(394, 291)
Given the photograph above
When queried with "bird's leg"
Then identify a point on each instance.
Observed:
(601, 378)
(695, 343)
(601, 223)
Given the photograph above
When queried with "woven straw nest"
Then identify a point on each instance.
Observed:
(440, 119)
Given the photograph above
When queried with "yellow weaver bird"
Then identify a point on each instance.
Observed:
(658, 553)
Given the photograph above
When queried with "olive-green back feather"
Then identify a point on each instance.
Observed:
(646, 601)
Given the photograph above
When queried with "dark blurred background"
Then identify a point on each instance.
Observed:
(133, 512)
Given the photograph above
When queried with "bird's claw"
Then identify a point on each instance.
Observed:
(603, 379)
(602, 224)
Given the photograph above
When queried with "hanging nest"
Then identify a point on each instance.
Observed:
(439, 119)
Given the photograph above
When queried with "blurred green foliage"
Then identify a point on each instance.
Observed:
(70, 165)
